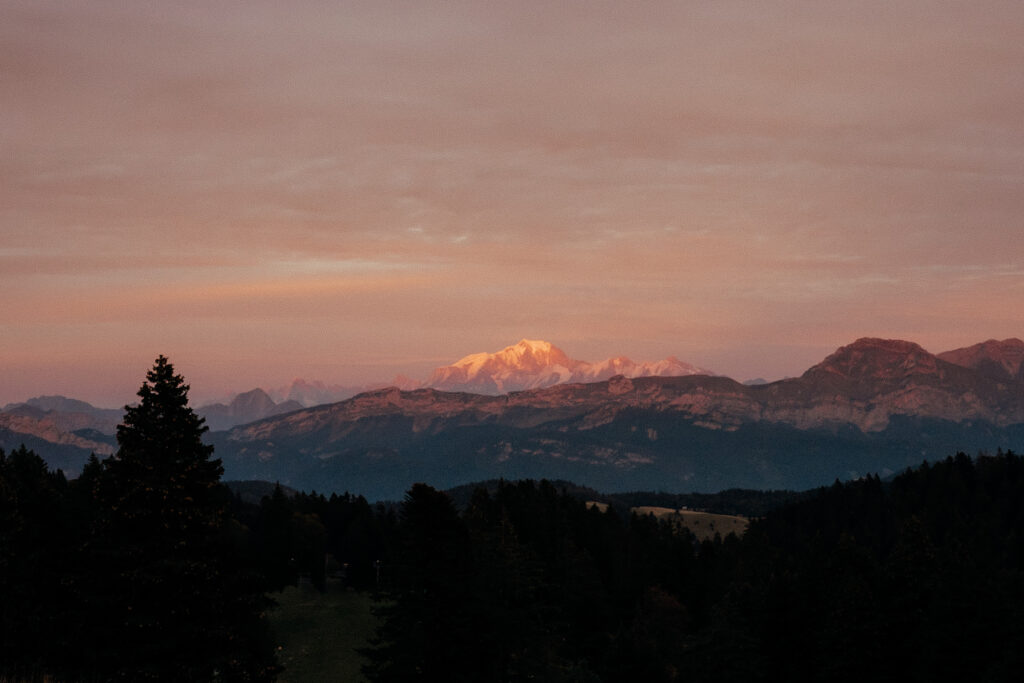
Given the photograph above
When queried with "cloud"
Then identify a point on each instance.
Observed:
(652, 179)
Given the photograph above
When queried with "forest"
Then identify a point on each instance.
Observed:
(148, 567)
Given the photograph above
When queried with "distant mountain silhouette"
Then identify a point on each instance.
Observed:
(314, 393)
(529, 364)
(248, 407)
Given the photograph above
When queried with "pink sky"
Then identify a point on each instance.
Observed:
(349, 190)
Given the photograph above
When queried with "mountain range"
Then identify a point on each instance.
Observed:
(64, 429)
(246, 407)
(53, 424)
(529, 364)
(533, 364)
(313, 393)
(875, 405)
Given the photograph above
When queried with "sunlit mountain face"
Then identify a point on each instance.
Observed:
(875, 405)
(872, 406)
(998, 359)
(529, 364)
(533, 364)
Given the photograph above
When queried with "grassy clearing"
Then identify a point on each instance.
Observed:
(318, 633)
(703, 525)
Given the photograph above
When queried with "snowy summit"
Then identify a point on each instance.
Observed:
(534, 364)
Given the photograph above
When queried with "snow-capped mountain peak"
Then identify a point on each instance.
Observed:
(527, 353)
(533, 364)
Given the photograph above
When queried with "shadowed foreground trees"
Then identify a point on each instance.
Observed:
(148, 583)
(145, 568)
(527, 583)
(918, 579)
(37, 538)
(175, 598)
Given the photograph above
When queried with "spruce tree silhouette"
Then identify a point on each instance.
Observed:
(177, 605)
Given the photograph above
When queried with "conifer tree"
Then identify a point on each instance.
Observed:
(426, 627)
(34, 543)
(166, 479)
(177, 605)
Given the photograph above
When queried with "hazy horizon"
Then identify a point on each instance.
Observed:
(203, 394)
(345, 191)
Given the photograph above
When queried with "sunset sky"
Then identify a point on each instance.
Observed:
(345, 191)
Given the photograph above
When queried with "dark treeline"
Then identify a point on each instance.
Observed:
(81, 599)
(309, 536)
(147, 567)
(918, 579)
(136, 570)
(743, 502)
(528, 583)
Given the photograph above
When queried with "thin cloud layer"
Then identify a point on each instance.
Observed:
(347, 190)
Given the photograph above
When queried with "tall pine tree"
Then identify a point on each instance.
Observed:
(176, 604)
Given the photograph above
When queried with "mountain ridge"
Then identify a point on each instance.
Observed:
(999, 359)
(872, 405)
(528, 364)
(249, 406)
(535, 364)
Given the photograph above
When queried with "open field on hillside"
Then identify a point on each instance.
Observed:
(318, 633)
(704, 525)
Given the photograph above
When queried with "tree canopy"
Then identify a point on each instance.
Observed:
(150, 580)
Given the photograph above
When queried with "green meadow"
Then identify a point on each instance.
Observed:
(318, 634)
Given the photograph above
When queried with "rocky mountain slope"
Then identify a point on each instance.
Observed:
(1001, 360)
(871, 406)
(66, 414)
(63, 430)
(874, 405)
(529, 364)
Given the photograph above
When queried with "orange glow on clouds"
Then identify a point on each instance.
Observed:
(345, 191)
